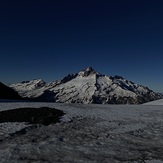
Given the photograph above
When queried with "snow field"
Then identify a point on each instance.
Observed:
(88, 133)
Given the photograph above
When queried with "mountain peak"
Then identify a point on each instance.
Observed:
(88, 71)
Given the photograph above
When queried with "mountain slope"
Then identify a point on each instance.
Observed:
(87, 86)
(8, 93)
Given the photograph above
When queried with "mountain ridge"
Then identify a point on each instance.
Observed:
(8, 93)
(87, 86)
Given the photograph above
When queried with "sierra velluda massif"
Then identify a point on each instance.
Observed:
(86, 86)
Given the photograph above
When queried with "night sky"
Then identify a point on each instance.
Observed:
(50, 39)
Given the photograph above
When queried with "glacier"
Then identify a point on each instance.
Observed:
(87, 133)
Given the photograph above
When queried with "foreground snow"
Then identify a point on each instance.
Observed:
(157, 102)
(87, 133)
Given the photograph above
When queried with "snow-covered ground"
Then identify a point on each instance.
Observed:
(87, 134)
(157, 102)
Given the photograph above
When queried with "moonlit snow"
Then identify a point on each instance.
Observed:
(157, 102)
(86, 134)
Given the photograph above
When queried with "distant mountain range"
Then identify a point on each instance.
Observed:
(87, 86)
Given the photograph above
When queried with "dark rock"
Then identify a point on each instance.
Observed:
(25, 81)
(8, 93)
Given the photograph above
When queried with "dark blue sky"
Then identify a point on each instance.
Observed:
(49, 39)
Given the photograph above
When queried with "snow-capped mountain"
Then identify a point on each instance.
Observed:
(87, 86)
